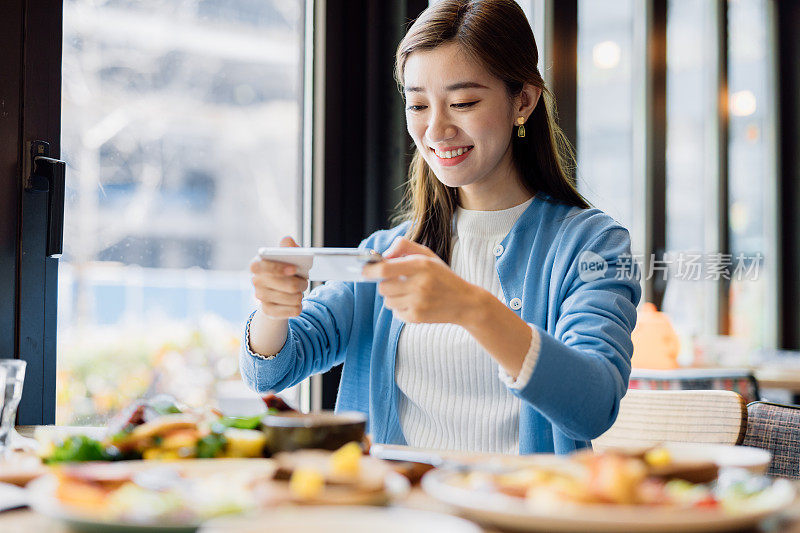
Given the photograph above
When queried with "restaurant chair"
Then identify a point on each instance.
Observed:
(776, 427)
(648, 418)
(742, 381)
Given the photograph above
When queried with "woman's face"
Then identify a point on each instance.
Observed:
(454, 105)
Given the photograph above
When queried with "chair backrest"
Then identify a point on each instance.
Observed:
(776, 427)
(648, 418)
(742, 381)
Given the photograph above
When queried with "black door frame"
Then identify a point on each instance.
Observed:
(787, 23)
(30, 102)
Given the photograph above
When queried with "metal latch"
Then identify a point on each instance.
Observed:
(48, 175)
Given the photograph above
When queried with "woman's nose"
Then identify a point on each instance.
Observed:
(440, 128)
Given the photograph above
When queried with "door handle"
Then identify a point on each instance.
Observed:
(48, 175)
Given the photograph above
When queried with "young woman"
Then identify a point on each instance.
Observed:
(502, 320)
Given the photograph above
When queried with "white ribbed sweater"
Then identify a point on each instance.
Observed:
(451, 393)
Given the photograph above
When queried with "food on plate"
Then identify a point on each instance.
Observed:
(306, 483)
(186, 492)
(88, 488)
(649, 479)
(347, 460)
(323, 477)
(200, 464)
(167, 495)
(160, 429)
(661, 464)
(244, 442)
(76, 448)
(169, 437)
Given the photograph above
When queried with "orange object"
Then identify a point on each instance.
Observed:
(655, 343)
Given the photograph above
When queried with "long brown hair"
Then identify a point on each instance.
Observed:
(496, 33)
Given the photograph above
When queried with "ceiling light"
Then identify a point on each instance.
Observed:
(606, 55)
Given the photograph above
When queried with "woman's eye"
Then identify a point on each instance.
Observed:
(465, 104)
(416, 107)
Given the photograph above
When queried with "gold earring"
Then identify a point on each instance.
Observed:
(521, 128)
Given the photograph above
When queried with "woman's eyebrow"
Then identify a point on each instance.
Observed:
(453, 87)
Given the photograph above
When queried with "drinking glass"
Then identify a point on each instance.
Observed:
(14, 371)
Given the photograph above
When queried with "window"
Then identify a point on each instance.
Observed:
(693, 172)
(535, 12)
(692, 168)
(605, 110)
(752, 172)
(182, 131)
(611, 140)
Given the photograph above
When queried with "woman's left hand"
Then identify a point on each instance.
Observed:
(419, 287)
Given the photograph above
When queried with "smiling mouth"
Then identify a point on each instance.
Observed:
(452, 152)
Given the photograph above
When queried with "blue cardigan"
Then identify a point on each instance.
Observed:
(570, 268)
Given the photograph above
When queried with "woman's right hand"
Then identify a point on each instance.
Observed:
(278, 287)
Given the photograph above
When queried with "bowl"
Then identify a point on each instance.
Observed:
(326, 430)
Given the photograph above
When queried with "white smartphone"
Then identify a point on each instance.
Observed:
(324, 264)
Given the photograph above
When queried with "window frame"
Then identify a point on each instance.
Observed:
(33, 98)
(784, 21)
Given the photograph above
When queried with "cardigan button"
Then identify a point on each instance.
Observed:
(515, 304)
(498, 250)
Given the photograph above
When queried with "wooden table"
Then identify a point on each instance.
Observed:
(28, 521)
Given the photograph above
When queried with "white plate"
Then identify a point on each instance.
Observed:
(753, 459)
(41, 498)
(342, 520)
(512, 513)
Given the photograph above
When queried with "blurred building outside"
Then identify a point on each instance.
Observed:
(181, 128)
